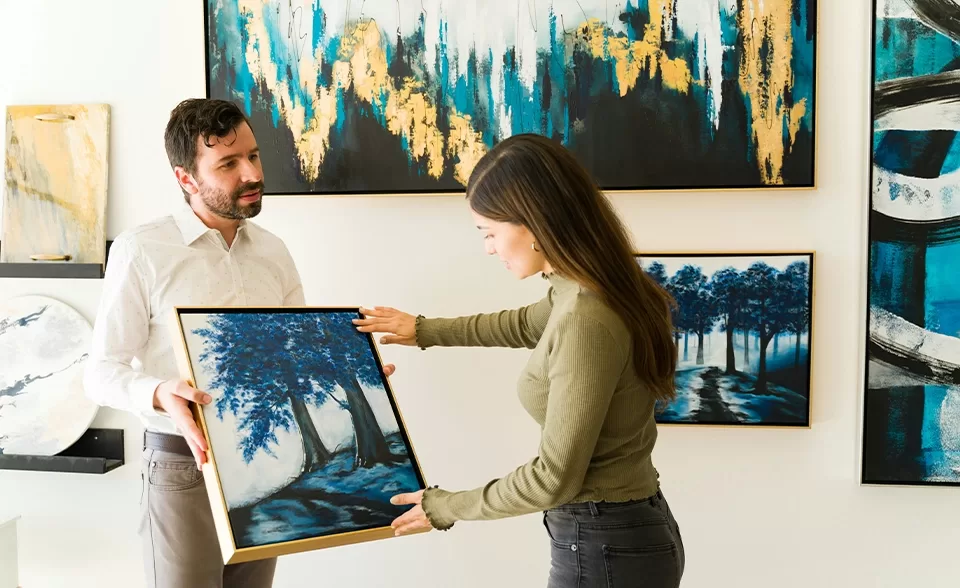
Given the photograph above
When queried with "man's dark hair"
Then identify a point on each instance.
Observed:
(198, 117)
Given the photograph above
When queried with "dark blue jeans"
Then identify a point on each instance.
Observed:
(614, 545)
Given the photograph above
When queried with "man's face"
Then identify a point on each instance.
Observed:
(229, 177)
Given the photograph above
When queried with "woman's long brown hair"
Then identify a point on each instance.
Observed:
(533, 181)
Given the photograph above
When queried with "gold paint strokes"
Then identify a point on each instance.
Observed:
(465, 145)
(633, 58)
(361, 65)
(765, 75)
(56, 182)
(408, 110)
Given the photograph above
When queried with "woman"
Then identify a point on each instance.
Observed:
(603, 355)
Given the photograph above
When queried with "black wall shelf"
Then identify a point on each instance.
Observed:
(54, 269)
(97, 451)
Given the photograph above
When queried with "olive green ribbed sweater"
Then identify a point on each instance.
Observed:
(595, 415)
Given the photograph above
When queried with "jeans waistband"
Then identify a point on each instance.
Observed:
(596, 507)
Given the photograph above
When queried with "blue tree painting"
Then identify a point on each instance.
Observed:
(295, 395)
(911, 424)
(406, 96)
(742, 326)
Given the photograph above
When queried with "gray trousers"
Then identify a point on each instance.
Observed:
(180, 548)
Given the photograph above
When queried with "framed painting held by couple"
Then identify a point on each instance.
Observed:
(306, 442)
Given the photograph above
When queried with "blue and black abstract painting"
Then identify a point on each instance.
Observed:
(406, 96)
(911, 425)
(306, 438)
(742, 324)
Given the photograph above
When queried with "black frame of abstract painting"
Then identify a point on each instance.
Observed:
(877, 224)
(229, 550)
(811, 300)
(618, 190)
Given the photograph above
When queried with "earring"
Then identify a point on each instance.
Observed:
(534, 246)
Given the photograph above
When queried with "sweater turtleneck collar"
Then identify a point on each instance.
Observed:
(561, 283)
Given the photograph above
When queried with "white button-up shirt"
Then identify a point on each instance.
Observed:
(175, 261)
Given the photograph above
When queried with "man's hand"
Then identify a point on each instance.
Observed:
(173, 397)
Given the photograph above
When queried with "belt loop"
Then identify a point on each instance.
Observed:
(594, 511)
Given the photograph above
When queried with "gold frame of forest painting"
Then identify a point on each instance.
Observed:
(733, 405)
(273, 373)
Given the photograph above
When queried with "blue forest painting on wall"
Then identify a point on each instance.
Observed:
(306, 437)
(406, 96)
(911, 419)
(742, 324)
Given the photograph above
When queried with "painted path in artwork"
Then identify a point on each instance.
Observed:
(708, 395)
(336, 498)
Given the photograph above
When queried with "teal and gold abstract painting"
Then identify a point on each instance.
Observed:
(55, 170)
(911, 424)
(406, 96)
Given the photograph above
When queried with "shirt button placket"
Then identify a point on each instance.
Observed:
(237, 279)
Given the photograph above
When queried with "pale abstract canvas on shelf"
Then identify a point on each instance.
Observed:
(406, 96)
(56, 182)
(911, 413)
(306, 438)
(44, 345)
(742, 326)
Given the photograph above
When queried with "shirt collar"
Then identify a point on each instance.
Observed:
(190, 225)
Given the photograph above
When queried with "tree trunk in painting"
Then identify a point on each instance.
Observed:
(686, 345)
(731, 358)
(796, 353)
(371, 444)
(315, 454)
(762, 369)
(746, 350)
(700, 346)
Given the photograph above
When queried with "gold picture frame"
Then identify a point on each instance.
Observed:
(803, 374)
(315, 351)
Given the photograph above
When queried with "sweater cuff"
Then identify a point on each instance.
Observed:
(435, 504)
(424, 332)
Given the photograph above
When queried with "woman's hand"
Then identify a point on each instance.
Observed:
(412, 520)
(400, 326)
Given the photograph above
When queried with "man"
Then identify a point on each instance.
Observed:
(206, 253)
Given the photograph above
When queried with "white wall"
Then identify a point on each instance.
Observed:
(757, 508)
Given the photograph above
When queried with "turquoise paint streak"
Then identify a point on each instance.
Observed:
(558, 79)
(906, 47)
(491, 105)
(341, 110)
(231, 30)
(284, 56)
(942, 290)
(802, 65)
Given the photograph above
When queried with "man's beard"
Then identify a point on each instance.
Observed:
(227, 206)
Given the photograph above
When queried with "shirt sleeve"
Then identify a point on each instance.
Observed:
(521, 327)
(120, 332)
(584, 366)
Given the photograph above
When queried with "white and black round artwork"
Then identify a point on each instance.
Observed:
(44, 344)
